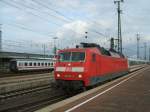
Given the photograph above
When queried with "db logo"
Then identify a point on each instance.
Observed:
(68, 69)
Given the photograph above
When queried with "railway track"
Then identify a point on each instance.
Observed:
(22, 92)
(22, 100)
(14, 79)
(29, 100)
(17, 83)
(12, 74)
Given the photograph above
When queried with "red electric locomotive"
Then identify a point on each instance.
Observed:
(87, 65)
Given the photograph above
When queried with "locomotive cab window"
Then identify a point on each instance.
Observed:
(78, 56)
(65, 56)
(72, 56)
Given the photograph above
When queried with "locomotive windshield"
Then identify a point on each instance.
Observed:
(72, 56)
(65, 56)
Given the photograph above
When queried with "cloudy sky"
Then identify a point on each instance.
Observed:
(31, 25)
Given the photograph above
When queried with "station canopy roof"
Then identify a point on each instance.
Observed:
(14, 55)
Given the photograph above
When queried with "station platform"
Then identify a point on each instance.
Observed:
(130, 93)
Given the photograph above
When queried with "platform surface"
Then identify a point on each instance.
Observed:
(129, 95)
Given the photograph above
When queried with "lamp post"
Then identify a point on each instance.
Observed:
(138, 50)
(86, 33)
(145, 49)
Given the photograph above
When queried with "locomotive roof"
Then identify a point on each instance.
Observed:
(73, 49)
(102, 50)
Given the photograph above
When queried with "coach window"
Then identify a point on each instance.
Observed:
(30, 63)
(49, 64)
(45, 64)
(25, 64)
(93, 57)
(42, 64)
(34, 64)
(38, 64)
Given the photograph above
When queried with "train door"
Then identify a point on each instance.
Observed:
(13, 65)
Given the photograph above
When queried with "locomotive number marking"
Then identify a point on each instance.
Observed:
(68, 76)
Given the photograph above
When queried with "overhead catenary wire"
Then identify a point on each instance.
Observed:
(22, 27)
(15, 6)
(39, 10)
(45, 19)
(29, 12)
(55, 23)
(92, 22)
(59, 13)
(28, 29)
(70, 19)
(88, 18)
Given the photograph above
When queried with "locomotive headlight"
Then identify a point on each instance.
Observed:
(58, 75)
(80, 76)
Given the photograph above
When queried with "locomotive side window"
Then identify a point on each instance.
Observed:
(93, 57)
(105, 52)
